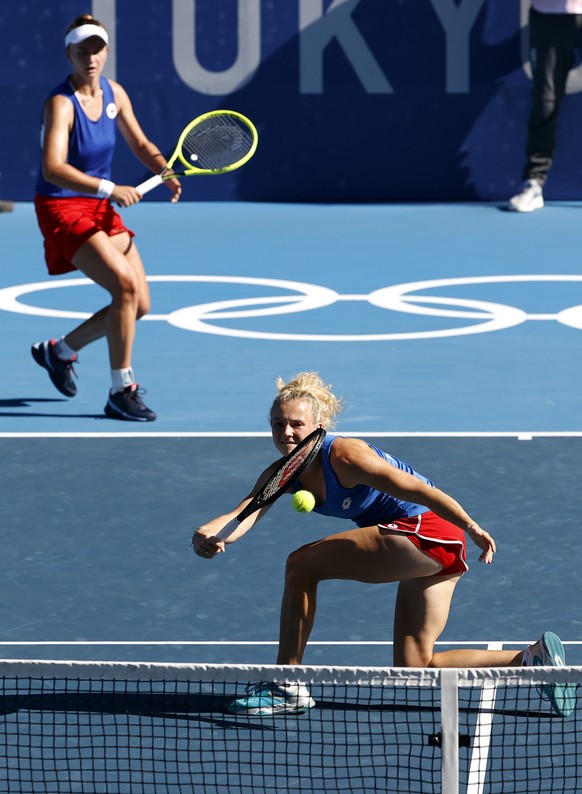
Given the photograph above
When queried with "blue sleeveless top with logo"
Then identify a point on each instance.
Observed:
(91, 143)
(362, 504)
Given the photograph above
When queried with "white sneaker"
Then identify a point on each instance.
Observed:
(530, 197)
(266, 698)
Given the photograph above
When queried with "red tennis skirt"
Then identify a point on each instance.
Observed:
(67, 223)
(437, 538)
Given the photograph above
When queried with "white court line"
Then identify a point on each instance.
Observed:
(352, 643)
(483, 730)
(520, 435)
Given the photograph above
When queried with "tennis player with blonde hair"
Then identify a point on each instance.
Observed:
(407, 531)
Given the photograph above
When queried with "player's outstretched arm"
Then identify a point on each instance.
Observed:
(205, 542)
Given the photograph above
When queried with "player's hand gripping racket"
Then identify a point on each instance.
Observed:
(288, 471)
(214, 143)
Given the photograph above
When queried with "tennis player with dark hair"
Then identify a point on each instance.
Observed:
(407, 531)
(81, 229)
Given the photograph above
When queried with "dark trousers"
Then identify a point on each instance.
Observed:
(553, 41)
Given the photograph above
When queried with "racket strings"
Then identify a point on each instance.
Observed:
(217, 143)
(285, 474)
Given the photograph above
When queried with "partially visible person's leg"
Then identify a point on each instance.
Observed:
(552, 47)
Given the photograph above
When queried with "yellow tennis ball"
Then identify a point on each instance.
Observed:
(303, 501)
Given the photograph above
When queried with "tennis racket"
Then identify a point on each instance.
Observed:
(214, 143)
(288, 471)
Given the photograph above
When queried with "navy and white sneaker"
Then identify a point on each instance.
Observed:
(529, 198)
(128, 405)
(60, 372)
(548, 651)
(265, 699)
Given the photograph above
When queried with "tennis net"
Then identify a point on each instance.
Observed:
(162, 728)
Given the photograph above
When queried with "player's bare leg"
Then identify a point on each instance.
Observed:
(365, 555)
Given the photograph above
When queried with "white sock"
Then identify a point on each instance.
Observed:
(63, 350)
(121, 378)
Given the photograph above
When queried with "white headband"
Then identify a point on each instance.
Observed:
(77, 35)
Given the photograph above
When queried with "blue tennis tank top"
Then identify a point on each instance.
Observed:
(91, 143)
(362, 504)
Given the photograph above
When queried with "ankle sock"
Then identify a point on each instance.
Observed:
(64, 351)
(121, 379)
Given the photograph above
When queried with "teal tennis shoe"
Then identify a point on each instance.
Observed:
(266, 698)
(548, 651)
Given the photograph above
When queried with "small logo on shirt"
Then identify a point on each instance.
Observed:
(111, 110)
(347, 503)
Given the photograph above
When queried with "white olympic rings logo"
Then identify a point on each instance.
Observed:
(480, 316)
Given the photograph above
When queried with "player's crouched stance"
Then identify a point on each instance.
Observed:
(407, 531)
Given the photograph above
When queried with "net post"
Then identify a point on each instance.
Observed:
(450, 731)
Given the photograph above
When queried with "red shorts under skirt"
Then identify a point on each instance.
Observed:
(437, 538)
(67, 223)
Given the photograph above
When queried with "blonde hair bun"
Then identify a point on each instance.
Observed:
(310, 386)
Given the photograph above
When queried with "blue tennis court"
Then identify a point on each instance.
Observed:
(449, 346)
(453, 333)
(481, 304)
(450, 327)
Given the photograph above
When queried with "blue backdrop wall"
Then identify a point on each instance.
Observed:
(355, 100)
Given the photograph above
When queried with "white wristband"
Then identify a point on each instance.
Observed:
(105, 188)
